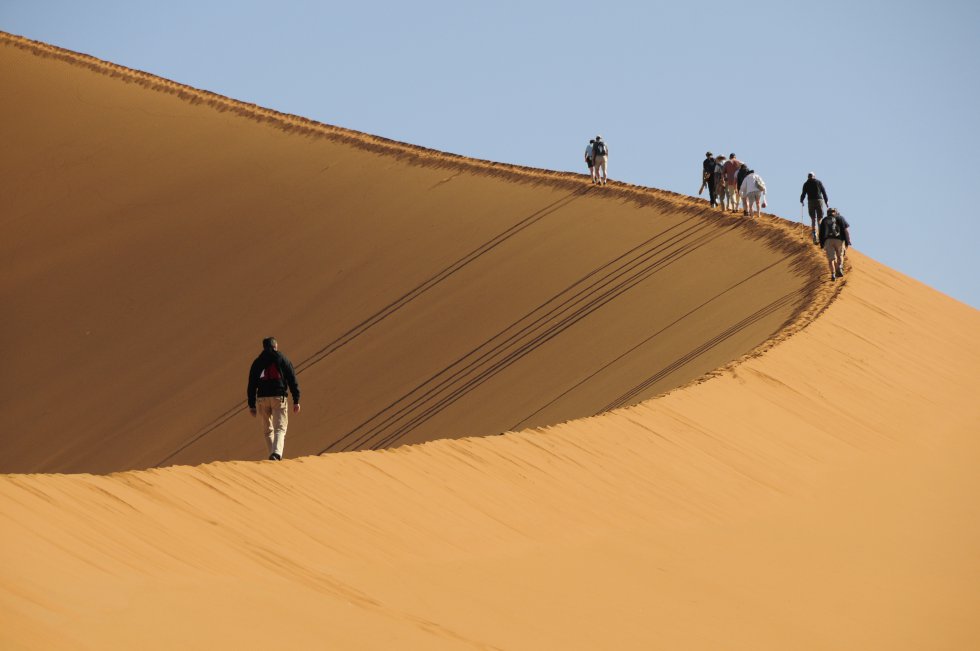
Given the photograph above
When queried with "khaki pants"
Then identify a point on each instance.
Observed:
(273, 413)
(600, 163)
(835, 255)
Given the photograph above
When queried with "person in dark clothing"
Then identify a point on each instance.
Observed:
(269, 378)
(708, 177)
(743, 171)
(835, 237)
(812, 190)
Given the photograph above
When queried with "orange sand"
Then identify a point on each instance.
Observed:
(817, 494)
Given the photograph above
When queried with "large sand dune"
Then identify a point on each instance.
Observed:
(158, 233)
(819, 492)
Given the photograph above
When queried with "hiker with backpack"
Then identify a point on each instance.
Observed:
(600, 161)
(753, 191)
(812, 190)
(589, 160)
(269, 378)
(835, 237)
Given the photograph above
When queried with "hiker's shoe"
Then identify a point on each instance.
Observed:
(833, 277)
(274, 457)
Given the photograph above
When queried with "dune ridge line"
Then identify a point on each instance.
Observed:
(426, 401)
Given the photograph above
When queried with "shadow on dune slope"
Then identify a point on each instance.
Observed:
(156, 233)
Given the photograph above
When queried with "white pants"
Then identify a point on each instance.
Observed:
(273, 413)
(599, 164)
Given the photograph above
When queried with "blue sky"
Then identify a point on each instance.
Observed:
(880, 99)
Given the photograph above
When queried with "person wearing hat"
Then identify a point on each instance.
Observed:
(835, 237)
(600, 160)
(812, 190)
(268, 379)
(708, 176)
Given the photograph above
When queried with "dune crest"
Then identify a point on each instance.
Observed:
(159, 232)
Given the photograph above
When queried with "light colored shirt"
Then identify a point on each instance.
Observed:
(588, 151)
(752, 183)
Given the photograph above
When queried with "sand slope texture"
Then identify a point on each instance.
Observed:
(707, 445)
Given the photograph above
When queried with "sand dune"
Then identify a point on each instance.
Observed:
(159, 233)
(817, 493)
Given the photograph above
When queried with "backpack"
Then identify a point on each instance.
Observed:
(599, 148)
(833, 228)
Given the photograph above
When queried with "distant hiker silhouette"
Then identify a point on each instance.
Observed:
(708, 177)
(731, 183)
(813, 190)
(718, 176)
(835, 236)
(589, 159)
(269, 378)
(600, 161)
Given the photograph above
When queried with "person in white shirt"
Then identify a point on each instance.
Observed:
(753, 190)
(589, 160)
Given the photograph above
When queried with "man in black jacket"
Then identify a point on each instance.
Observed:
(812, 189)
(708, 177)
(268, 379)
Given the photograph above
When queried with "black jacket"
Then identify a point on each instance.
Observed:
(707, 168)
(270, 375)
(742, 173)
(812, 189)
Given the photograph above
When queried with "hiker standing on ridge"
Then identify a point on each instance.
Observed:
(708, 176)
(268, 379)
(753, 189)
(731, 182)
(812, 190)
(719, 177)
(835, 236)
(589, 160)
(600, 160)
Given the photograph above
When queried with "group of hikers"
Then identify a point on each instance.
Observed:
(730, 182)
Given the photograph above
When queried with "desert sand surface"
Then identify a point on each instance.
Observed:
(706, 445)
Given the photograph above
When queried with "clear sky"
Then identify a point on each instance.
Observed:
(880, 99)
